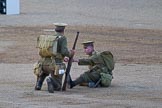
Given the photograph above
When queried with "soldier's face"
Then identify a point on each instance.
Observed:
(88, 50)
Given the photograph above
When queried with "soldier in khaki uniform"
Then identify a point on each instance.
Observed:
(53, 64)
(96, 67)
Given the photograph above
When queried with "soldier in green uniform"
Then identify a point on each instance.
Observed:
(97, 68)
(53, 64)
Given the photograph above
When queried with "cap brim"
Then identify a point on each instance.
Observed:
(87, 42)
(60, 24)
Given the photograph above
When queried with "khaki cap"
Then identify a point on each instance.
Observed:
(60, 26)
(87, 43)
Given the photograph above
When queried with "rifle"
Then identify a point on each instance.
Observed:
(67, 73)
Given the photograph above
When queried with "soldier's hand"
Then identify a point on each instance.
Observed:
(66, 59)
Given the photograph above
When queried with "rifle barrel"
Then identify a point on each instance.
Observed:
(67, 73)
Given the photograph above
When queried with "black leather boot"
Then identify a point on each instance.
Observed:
(72, 84)
(50, 85)
(76, 82)
(40, 81)
(56, 84)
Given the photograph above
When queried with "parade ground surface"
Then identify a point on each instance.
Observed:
(131, 30)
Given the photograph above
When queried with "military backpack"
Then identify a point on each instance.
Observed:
(108, 59)
(47, 45)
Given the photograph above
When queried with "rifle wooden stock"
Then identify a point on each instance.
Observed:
(67, 73)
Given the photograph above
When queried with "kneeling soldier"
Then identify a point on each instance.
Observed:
(52, 49)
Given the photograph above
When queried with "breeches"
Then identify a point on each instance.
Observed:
(57, 78)
(92, 76)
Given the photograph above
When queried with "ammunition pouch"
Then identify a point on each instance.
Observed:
(37, 68)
